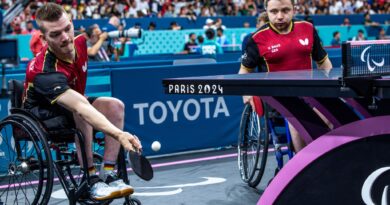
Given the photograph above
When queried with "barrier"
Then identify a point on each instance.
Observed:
(169, 43)
(230, 21)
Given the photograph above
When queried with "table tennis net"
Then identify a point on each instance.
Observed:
(366, 58)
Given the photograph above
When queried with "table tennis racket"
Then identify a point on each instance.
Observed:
(140, 165)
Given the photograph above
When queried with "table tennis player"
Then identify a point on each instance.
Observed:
(283, 44)
(55, 85)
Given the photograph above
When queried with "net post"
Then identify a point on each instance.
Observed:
(346, 58)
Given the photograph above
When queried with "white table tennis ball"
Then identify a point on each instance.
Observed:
(156, 146)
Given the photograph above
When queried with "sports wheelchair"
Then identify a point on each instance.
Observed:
(34, 155)
(258, 128)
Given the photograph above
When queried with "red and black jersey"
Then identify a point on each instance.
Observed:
(47, 77)
(46, 62)
(271, 51)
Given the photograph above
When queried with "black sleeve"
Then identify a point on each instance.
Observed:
(50, 85)
(251, 57)
(319, 53)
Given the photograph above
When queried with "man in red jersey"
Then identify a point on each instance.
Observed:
(55, 85)
(283, 44)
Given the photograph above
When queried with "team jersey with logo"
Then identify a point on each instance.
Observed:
(46, 63)
(271, 51)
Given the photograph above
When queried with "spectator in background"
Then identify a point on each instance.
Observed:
(308, 17)
(30, 27)
(368, 21)
(152, 26)
(221, 38)
(346, 22)
(36, 43)
(17, 29)
(382, 35)
(142, 8)
(170, 12)
(360, 36)
(218, 24)
(249, 8)
(209, 24)
(246, 25)
(174, 26)
(336, 39)
(132, 11)
(210, 46)
(99, 48)
(191, 45)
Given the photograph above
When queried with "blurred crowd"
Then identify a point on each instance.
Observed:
(97, 9)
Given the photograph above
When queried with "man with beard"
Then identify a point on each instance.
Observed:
(54, 93)
(283, 44)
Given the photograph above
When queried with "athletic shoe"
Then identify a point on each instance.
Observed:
(113, 181)
(102, 191)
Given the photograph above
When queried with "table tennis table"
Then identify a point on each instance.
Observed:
(346, 165)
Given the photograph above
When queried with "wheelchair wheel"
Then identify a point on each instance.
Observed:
(28, 173)
(252, 146)
(133, 201)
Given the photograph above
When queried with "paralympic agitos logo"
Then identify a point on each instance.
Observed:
(366, 59)
(371, 182)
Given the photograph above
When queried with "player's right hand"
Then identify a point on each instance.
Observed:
(130, 142)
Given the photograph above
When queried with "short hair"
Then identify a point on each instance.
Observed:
(210, 33)
(90, 29)
(335, 33)
(48, 12)
(266, 3)
(220, 29)
(189, 35)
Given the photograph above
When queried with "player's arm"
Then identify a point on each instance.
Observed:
(78, 104)
(326, 64)
(319, 54)
(249, 61)
(93, 50)
(54, 87)
(245, 70)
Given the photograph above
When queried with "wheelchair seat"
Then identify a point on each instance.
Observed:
(15, 91)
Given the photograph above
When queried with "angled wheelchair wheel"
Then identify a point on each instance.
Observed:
(252, 146)
(28, 177)
(133, 201)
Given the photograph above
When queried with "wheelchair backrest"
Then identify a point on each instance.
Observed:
(15, 91)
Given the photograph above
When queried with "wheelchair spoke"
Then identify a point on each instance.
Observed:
(24, 191)
(34, 189)
(26, 180)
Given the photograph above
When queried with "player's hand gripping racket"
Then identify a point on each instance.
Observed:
(140, 165)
